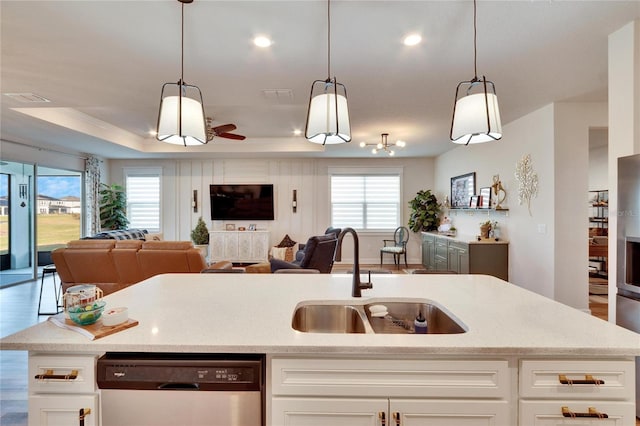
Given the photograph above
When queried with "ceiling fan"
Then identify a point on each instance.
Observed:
(222, 131)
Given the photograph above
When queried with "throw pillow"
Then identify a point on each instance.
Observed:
(286, 242)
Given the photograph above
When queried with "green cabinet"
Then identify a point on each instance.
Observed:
(442, 253)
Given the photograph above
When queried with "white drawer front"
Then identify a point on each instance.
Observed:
(60, 410)
(409, 378)
(63, 365)
(549, 413)
(540, 379)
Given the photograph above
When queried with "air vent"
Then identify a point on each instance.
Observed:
(27, 98)
(280, 96)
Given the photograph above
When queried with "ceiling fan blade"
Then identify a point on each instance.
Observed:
(231, 136)
(223, 128)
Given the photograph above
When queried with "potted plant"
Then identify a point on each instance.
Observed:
(200, 236)
(424, 212)
(113, 207)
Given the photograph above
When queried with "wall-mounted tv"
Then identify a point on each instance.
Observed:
(241, 202)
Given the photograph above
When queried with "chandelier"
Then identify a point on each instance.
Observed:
(384, 145)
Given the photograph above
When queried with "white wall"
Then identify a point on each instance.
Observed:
(548, 248)
(598, 168)
(571, 146)
(308, 176)
(531, 254)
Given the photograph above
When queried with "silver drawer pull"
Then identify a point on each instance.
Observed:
(588, 380)
(49, 375)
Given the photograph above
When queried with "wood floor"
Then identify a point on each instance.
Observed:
(18, 310)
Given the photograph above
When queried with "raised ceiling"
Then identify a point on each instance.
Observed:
(102, 64)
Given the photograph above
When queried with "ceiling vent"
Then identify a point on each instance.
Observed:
(27, 98)
(278, 96)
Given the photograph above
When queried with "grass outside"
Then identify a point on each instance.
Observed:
(54, 230)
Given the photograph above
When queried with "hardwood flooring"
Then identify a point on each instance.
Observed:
(18, 310)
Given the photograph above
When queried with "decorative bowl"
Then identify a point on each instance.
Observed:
(87, 314)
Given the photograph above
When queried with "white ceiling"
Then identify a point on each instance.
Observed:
(102, 64)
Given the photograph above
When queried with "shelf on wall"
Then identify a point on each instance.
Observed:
(472, 212)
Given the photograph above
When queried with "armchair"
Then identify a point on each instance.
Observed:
(397, 246)
(319, 254)
(301, 247)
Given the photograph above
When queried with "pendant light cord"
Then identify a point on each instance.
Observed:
(328, 39)
(475, 43)
(182, 49)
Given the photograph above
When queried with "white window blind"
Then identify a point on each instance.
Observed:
(365, 201)
(143, 201)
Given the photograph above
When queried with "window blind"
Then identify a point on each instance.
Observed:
(143, 202)
(365, 201)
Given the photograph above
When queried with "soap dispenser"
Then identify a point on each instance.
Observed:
(420, 324)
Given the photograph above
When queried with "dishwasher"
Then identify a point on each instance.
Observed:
(162, 389)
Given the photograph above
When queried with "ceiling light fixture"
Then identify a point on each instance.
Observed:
(181, 119)
(262, 41)
(384, 145)
(328, 114)
(476, 116)
(412, 39)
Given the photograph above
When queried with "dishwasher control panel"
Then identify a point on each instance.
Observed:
(180, 371)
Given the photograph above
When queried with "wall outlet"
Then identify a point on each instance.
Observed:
(542, 228)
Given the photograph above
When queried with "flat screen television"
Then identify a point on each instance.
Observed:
(241, 202)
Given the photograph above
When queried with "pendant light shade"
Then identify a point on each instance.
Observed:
(476, 116)
(328, 115)
(181, 118)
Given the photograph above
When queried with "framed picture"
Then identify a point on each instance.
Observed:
(230, 227)
(473, 203)
(463, 187)
(252, 227)
(485, 198)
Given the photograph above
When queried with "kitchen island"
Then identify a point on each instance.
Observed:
(505, 367)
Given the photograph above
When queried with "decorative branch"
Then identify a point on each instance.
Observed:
(528, 181)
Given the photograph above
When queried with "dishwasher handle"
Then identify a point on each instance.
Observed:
(179, 386)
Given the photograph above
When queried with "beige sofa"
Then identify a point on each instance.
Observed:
(116, 264)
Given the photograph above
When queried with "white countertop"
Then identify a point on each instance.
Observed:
(251, 313)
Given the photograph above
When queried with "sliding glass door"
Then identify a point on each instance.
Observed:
(16, 223)
(31, 226)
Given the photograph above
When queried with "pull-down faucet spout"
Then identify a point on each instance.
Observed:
(357, 286)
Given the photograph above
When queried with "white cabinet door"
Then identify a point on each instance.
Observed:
(460, 412)
(329, 411)
(63, 410)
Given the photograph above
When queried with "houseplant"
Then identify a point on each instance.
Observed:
(113, 207)
(200, 236)
(424, 212)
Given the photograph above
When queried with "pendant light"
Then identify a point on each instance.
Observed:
(181, 119)
(328, 114)
(476, 116)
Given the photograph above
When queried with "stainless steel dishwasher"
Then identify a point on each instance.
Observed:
(140, 389)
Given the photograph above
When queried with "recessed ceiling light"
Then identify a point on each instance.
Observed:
(262, 41)
(297, 132)
(412, 39)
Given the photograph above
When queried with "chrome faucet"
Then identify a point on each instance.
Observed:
(357, 286)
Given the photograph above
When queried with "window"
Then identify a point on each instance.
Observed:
(143, 200)
(367, 201)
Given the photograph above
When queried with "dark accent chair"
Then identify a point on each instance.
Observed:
(397, 246)
(301, 247)
(318, 254)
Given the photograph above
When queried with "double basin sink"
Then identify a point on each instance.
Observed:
(353, 317)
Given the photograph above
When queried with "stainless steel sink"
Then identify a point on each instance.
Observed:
(346, 317)
(328, 319)
(400, 317)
